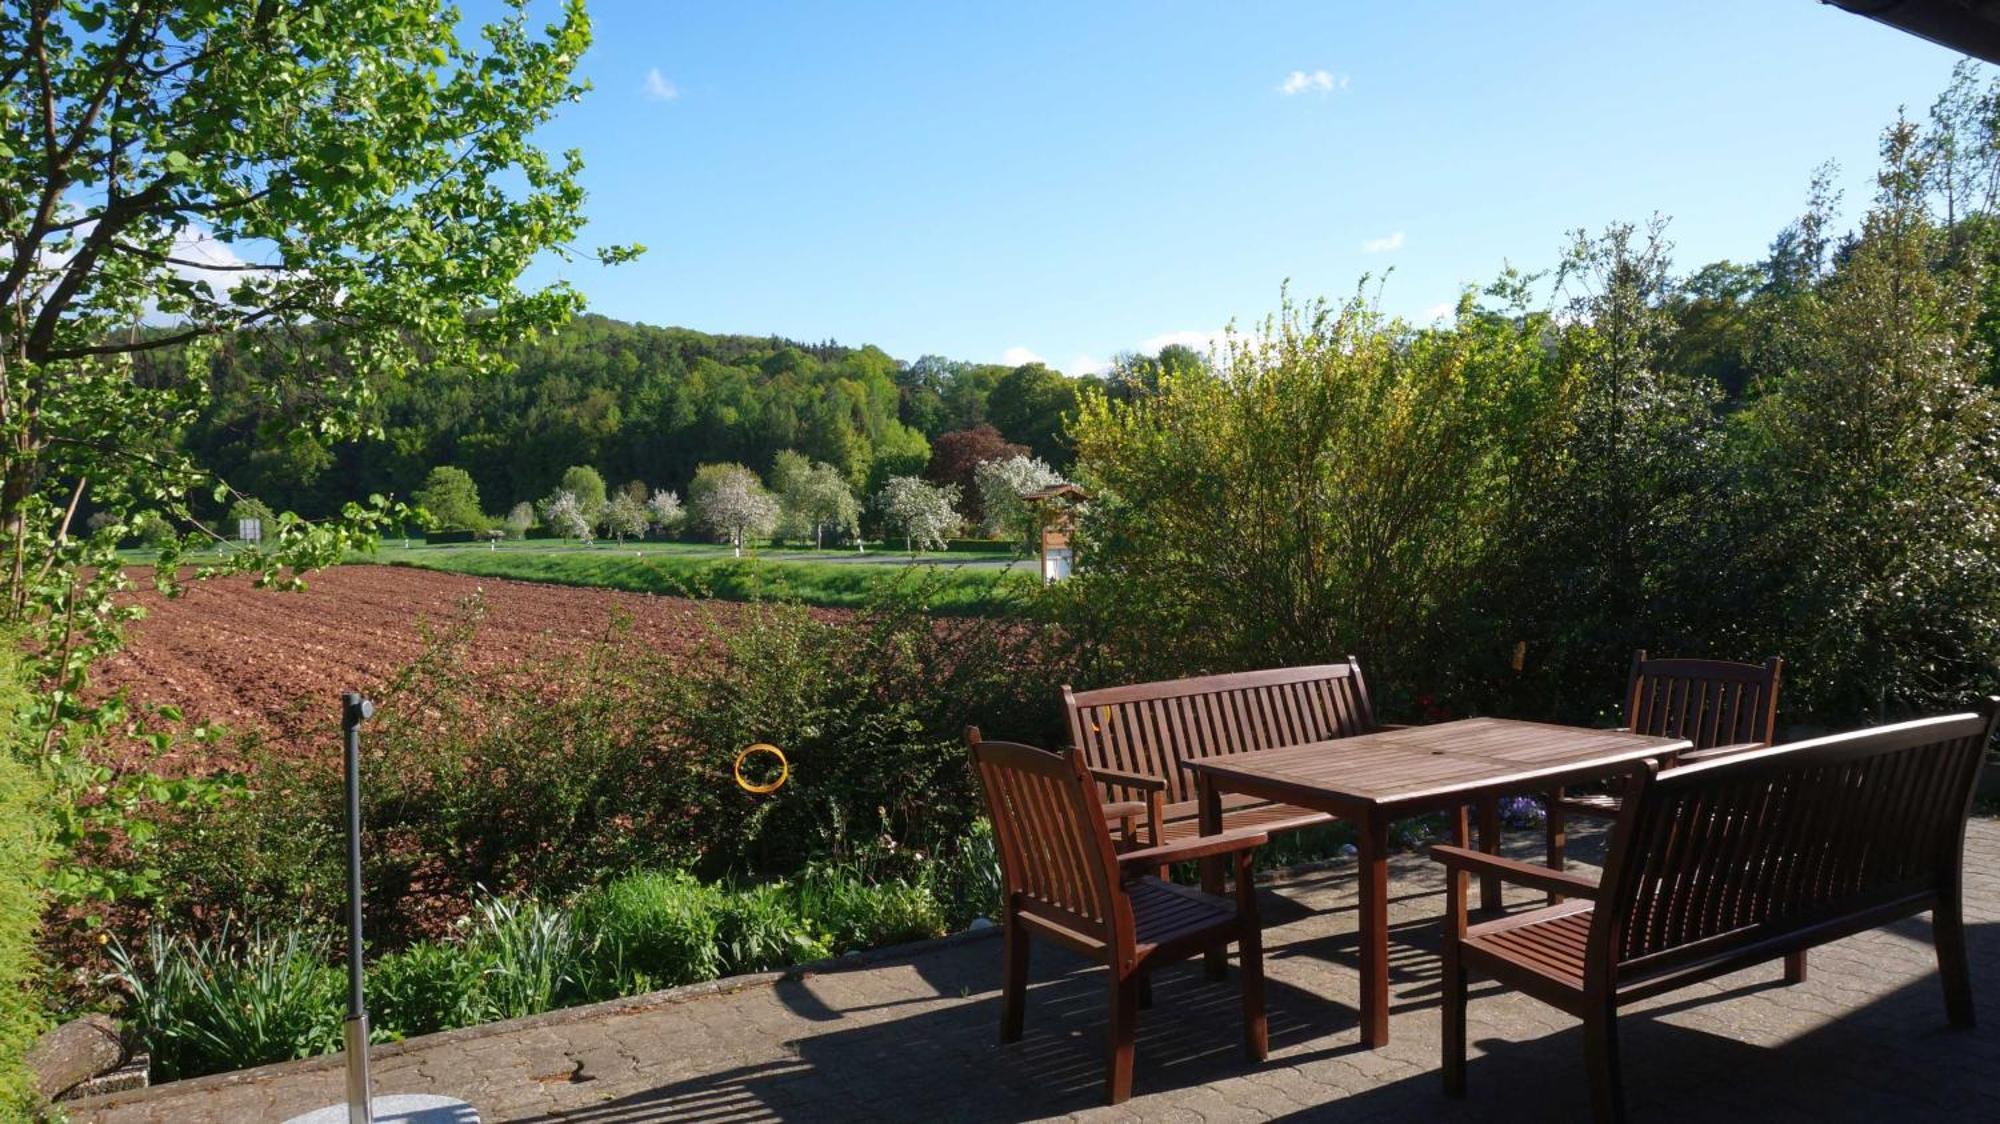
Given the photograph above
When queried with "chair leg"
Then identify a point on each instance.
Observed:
(1948, 934)
(1123, 1032)
(1454, 1020)
(1795, 967)
(1600, 1048)
(1256, 1030)
(1552, 821)
(1014, 981)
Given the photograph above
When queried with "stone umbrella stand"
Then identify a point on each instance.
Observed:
(361, 1107)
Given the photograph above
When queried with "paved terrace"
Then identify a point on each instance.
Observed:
(911, 1035)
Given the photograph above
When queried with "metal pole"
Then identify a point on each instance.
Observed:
(397, 1108)
(354, 710)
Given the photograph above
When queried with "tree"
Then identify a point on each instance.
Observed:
(816, 500)
(1030, 404)
(956, 456)
(1002, 484)
(152, 529)
(584, 482)
(788, 469)
(926, 513)
(1635, 456)
(207, 168)
(1872, 555)
(566, 517)
(520, 518)
(664, 509)
(624, 517)
(348, 190)
(248, 508)
(452, 500)
(730, 500)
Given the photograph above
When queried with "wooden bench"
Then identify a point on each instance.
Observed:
(1730, 862)
(1134, 738)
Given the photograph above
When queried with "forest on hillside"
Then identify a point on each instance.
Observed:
(637, 403)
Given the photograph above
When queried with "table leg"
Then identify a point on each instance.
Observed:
(1374, 878)
(1216, 959)
(1489, 842)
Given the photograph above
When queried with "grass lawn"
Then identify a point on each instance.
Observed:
(833, 578)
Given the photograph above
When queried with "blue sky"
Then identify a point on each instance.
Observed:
(1070, 181)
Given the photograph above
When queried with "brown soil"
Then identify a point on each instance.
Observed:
(274, 661)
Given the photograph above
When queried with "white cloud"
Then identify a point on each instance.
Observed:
(658, 88)
(1445, 311)
(1020, 357)
(1199, 340)
(1312, 82)
(204, 258)
(1383, 244)
(1084, 365)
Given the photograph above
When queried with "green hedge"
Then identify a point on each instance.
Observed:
(22, 853)
(438, 538)
(979, 546)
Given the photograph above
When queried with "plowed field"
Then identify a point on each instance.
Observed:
(278, 661)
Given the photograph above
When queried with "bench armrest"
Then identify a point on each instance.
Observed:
(1689, 757)
(1119, 809)
(1515, 871)
(1194, 847)
(1137, 782)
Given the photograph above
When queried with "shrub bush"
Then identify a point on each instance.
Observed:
(653, 930)
(23, 852)
(852, 914)
(761, 928)
(619, 759)
(427, 987)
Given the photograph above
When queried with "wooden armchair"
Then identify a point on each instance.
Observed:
(1721, 707)
(1065, 883)
(1730, 862)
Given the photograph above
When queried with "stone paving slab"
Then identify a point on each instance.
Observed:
(912, 1036)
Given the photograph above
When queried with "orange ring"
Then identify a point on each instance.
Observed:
(784, 770)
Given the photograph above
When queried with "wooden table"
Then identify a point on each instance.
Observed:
(1372, 779)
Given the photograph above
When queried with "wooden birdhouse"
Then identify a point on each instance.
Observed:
(1056, 507)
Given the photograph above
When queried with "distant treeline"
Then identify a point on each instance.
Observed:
(638, 403)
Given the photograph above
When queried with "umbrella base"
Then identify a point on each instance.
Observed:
(400, 1108)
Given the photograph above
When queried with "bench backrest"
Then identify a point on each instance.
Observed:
(1151, 728)
(1055, 851)
(1765, 846)
(1708, 702)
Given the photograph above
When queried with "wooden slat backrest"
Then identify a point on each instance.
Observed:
(1708, 702)
(1055, 851)
(1151, 728)
(1755, 846)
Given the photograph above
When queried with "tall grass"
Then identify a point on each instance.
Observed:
(224, 1003)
